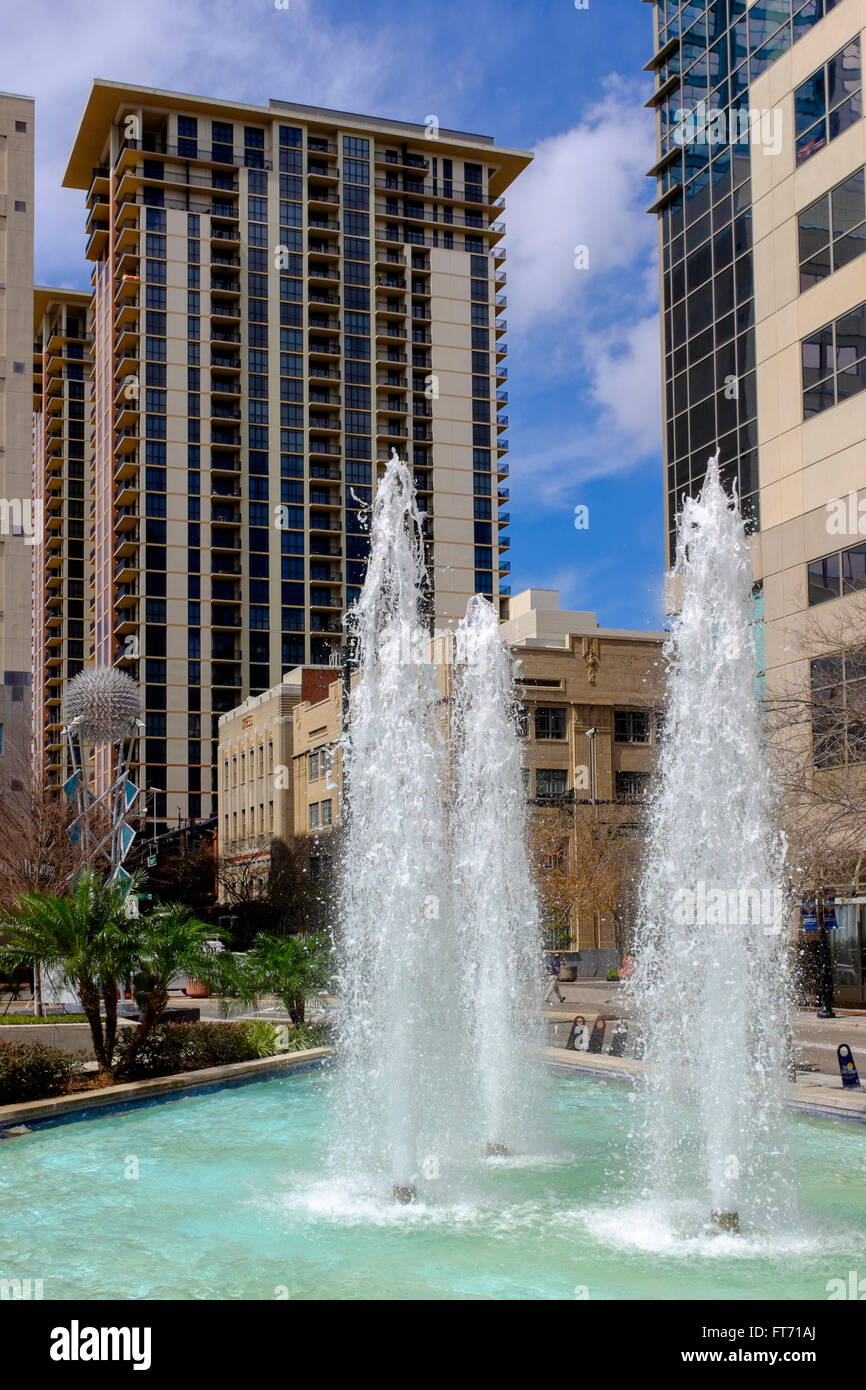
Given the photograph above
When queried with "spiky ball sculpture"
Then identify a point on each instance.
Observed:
(104, 703)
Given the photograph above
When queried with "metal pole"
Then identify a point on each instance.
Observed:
(825, 964)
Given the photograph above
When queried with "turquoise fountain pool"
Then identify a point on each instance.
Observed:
(233, 1199)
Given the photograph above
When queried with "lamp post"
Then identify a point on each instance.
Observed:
(591, 735)
(154, 792)
(825, 963)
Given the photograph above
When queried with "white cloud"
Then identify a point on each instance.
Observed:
(595, 331)
(248, 52)
(585, 187)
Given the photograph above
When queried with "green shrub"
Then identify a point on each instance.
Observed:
(260, 1035)
(174, 1047)
(612, 975)
(31, 1071)
(305, 1035)
(34, 1018)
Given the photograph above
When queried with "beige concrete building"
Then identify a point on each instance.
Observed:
(20, 520)
(317, 782)
(282, 294)
(277, 761)
(63, 480)
(589, 695)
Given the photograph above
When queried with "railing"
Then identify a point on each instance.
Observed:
(191, 150)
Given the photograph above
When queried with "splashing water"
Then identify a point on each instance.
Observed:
(399, 983)
(438, 919)
(500, 948)
(710, 987)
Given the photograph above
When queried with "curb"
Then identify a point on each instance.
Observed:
(131, 1094)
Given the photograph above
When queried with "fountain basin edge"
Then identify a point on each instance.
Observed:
(800, 1097)
(129, 1095)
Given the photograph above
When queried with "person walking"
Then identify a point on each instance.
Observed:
(554, 965)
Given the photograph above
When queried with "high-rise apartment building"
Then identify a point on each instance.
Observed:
(763, 276)
(282, 294)
(63, 489)
(19, 521)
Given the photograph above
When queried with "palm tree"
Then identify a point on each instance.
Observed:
(289, 966)
(83, 937)
(168, 941)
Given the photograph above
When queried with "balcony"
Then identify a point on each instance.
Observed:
(126, 440)
(223, 616)
(323, 347)
(127, 544)
(222, 438)
(225, 386)
(321, 371)
(322, 197)
(97, 241)
(228, 538)
(324, 497)
(224, 309)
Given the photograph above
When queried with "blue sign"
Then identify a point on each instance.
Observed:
(846, 1066)
(810, 914)
(70, 786)
(830, 922)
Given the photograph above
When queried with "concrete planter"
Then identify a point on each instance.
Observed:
(66, 1037)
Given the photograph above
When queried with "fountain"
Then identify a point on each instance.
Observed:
(437, 917)
(710, 989)
(401, 1061)
(499, 943)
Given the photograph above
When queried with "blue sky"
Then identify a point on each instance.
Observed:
(564, 83)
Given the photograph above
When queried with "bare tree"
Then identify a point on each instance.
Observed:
(816, 720)
(585, 863)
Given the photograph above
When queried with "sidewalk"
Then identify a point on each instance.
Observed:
(816, 1038)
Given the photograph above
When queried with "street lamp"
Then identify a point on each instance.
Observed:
(825, 963)
(154, 792)
(591, 735)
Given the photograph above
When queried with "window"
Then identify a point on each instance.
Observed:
(837, 575)
(832, 231)
(314, 817)
(631, 786)
(631, 726)
(326, 813)
(549, 723)
(829, 102)
(551, 781)
(314, 766)
(834, 362)
(839, 709)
